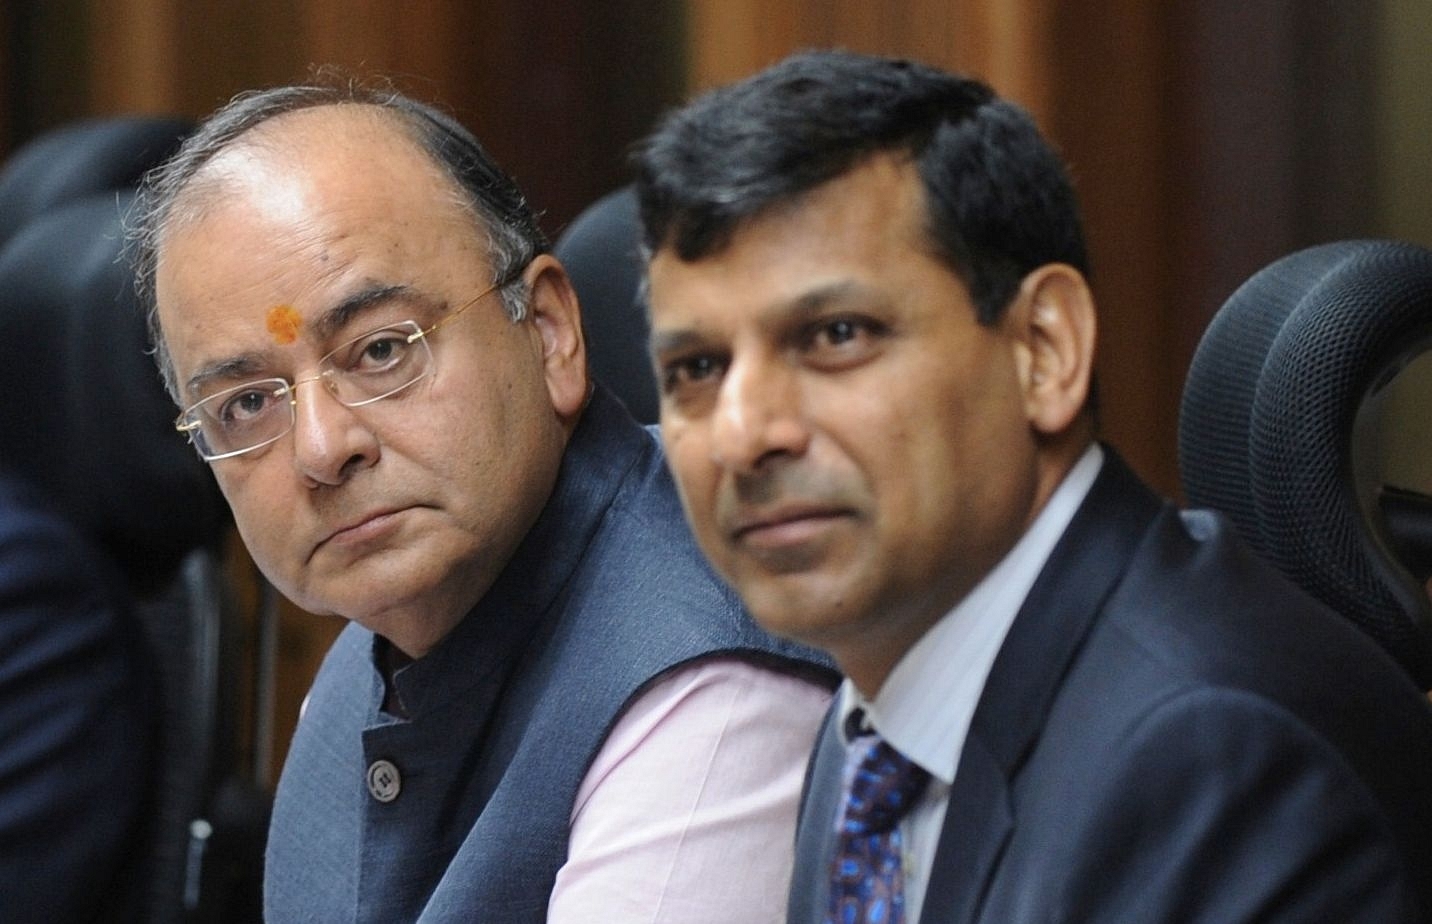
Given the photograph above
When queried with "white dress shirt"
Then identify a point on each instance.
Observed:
(925, 706)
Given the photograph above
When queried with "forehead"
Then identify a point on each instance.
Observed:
(304, 212)
(867, 225)
(313, 161)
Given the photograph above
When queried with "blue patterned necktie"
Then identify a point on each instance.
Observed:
(880, 787)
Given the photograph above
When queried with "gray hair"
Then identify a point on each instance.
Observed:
(498, 206)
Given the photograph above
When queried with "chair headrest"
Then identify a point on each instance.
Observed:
(82, 158)
(83, 413)
(1266, 426)
(601, 251)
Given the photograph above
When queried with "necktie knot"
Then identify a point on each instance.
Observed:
(884, 784)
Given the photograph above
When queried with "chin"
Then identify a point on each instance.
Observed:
(802, 617)
(342, 594)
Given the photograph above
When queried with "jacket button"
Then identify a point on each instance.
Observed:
(384, 780)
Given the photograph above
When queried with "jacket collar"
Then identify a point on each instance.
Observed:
(1048, 632)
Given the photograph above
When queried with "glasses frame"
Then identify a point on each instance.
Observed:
(189, 424)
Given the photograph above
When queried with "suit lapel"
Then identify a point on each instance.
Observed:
(815, 832)
(1046, 634)
(977, 825)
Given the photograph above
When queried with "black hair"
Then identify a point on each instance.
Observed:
(998, 198)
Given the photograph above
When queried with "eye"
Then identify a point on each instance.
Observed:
(378, 352)
(837, 332)
(244, 406)
(841, 341)
(690, 372)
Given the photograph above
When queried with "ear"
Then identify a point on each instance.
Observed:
(1052, 319)
(558, 320)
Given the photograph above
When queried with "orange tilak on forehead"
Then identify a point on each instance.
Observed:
(283, 323)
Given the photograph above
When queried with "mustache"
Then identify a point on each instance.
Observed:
(782, 482)
(746, 495)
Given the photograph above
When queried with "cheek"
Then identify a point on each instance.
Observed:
(458, 416)
(234, 483)
(696, 477)
(254, 495)
(872, 433)
(913, 452)
(686, 456)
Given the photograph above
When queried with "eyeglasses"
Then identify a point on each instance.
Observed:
(377, 365)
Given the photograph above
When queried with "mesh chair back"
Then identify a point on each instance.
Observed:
(1266, 426)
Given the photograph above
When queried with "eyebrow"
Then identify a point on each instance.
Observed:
(336, 318)
(811, 303)
(254, 364)
(235, 368)
(803, 307)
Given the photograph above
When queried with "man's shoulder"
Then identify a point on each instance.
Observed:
(341, 695)
(1200, 618)
(34, 536)
(1196, 587)
(635, 555)
(48, 567)
(1192, 607)
(644, 590)
(641, 602)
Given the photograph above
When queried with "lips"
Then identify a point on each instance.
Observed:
(366, 527)
(785, 514)
(788, 516)
(785, 524)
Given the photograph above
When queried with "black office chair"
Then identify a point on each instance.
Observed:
(601, 251)
(84, 417)
(1266, 431)
(79, 159)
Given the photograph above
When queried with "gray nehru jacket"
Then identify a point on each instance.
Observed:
(460, 812)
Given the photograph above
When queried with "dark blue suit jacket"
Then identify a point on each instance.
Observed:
(1172, 732)
(74, 721)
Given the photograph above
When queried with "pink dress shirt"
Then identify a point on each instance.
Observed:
(687, 815)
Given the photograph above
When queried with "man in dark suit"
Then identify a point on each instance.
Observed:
(1065, 699)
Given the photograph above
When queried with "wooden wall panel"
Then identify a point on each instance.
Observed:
(1109, 116)
(556, 90)
(1000, 42)
(146, 77)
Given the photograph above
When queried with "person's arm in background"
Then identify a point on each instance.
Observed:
(75, 724)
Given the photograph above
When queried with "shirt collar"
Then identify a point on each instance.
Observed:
(925, 706)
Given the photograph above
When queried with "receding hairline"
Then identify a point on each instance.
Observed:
(279, 137)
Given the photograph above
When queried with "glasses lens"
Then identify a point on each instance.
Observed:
(241, 418)
(378, 364)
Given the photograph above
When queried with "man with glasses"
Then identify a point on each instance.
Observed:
(544, 703)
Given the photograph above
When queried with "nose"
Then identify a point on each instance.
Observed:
(759, 415)
(331, 441)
